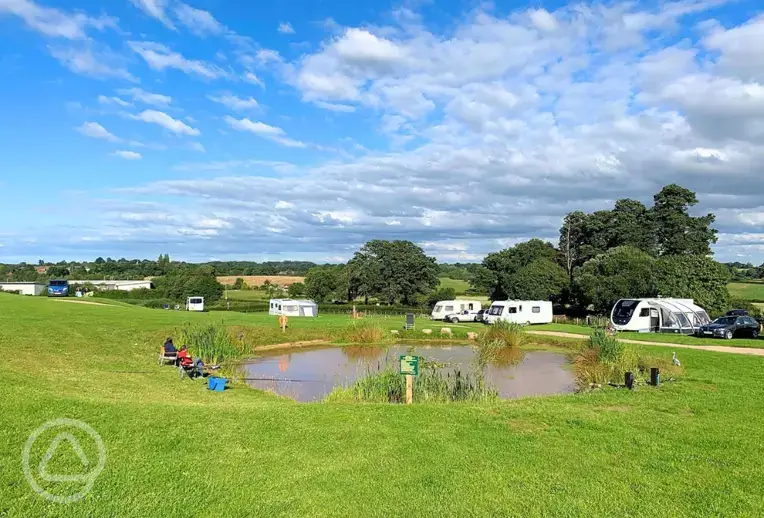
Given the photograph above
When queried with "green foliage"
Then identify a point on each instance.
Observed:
(676, 232)
(500, 270)
(326, 283)
(209, 341)
(440, 294)
(364, 332)
(503, 334)
(622, 272)
(238, 284)
(296, 290)
(694, 277)
(542, 279)
(393, 271)
(180, 285)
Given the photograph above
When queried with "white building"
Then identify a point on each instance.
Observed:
(293, 308)
(116, 285)
(25, 288)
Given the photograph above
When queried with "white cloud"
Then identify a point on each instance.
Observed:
(99, 63)
(286, 28)
(56, 22)
(103, 99)
(542, 19)
(335, 107)
(159, 57)
(265, 56)
(197, 146)
(233, 102)
(167, 122)
(128, 155)
(137, 94)
(198, 21)
(252, 78)
(155, 9)
(281, 204)
(258, 128)
(95, 130)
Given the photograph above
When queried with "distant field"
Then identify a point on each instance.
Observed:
(259, 280)
(248, 295)
(746, 290)
(460, 287)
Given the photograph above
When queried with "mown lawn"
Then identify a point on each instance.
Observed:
(688, 448)
(656, 337)
(459, 286)
(747, 290)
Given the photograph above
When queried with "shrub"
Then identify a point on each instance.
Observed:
(504, 334)
(364, 332)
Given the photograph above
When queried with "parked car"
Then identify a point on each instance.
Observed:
(462, 316)
(480, 315)
(737, 313)
(731, 326)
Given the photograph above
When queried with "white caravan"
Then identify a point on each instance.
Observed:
(658, 316)
(293, 308)
(444, 308)
(195, 304)
(520, 312)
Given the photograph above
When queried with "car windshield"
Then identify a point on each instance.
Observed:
(725, 321)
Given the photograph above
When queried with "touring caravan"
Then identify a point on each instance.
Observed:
(445, 308)
(520, 312)
(293, 308)
(195, 304)
(658, 316)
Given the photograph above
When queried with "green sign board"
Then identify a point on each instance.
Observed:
(410, 365)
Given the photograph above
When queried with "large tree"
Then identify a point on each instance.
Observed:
(542, 279)
(393, 271)
(326, 283)
(621, 272)
(500, 269)
(676, 232)
(188, 283)
(694, 277)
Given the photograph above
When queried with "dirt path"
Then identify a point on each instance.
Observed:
(84, 302)
(718, 348)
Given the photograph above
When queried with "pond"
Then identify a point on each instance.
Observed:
(311, 374)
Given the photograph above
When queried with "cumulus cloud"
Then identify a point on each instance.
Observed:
(234, 102)
(286, 28)
(167, 122)
(155, 9)
(159, 57)
(95, 130)
(128, 155)
(139, 95)
(56, 23)
(198, 21)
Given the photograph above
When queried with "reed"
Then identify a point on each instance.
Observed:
(504, 334)
(364, 332)
(210, 341)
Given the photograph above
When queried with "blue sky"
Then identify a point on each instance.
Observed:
(299, 130)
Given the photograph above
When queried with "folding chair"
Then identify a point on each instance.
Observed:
(165, 356)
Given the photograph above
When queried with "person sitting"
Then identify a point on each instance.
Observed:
(184, 357)
(169, 347)
(198, 369)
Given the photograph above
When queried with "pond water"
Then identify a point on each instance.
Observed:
(310, 374)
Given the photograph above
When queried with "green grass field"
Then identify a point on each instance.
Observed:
(460, 287)
(248, 295)
(746, 290)
(687, 448)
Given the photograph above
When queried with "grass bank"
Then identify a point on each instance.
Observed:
(684, 449)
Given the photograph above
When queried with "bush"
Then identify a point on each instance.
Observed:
(504, 334)
(210, 342)
(364, 332)
(140, 293)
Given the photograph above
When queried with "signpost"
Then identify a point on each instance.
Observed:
(409, 366)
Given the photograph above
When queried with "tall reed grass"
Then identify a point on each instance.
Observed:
(504, 334)
(210, 342)
(364, 332)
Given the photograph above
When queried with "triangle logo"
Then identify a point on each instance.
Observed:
(75, 445)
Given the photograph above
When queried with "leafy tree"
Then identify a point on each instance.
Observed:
(500, 268)
(694, 277)
(632, 225)
(183, 284)
(440, 294)
(238, 284)
(296, 289)
(622, 272)
(392, 271)
(324, 283)
(676, 232)
(542, 279)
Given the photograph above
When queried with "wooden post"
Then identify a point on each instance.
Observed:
(409, 389)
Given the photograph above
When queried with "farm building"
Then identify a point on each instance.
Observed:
(25, 288)
(116, 285)
(293, 308)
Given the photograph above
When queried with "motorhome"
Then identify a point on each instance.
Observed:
(520, 312)
(658, 316)
(195, 304)
(445, 308)
(293, 308)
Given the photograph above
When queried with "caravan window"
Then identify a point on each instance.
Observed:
(290, 308)
(683, 319)
(449, 309)
(536, 309)
(495, 310)
(513, 310)
(438, 308)
(471, 306)
(644, 312)
(625, 309)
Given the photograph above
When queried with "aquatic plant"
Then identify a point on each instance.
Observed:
(210, 341)
(364, 332)
(503, 334)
